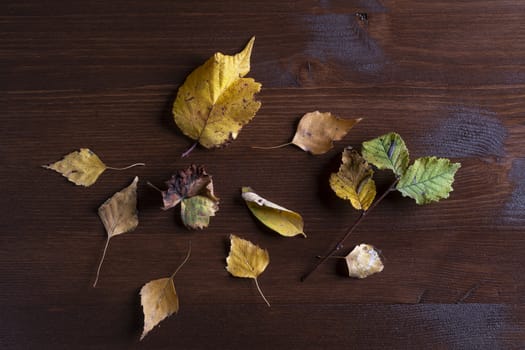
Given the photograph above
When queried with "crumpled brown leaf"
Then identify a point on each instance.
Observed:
(119, 215)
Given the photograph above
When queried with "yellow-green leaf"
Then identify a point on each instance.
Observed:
(196, 211)
(317, 131)
(119, 215)
(387, 152)
(216, 101)
(246, 260)
(428, 179)
(363, 261)
(354, 180)
(283, 221)
(80, 167)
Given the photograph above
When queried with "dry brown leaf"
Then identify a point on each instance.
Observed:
(159, 299)
(119, 215)
(246, 260)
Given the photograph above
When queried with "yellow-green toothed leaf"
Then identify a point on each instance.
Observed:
(216, 101)
(196, 211)
(81, 167)
(354, 181)
(283, 221)
(387, 152)
(428, 179)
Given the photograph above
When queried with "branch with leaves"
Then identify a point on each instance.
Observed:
(428, 179)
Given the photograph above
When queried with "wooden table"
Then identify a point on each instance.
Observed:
(449, 76)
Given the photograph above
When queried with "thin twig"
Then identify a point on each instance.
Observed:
(128, 167)
(339, 244)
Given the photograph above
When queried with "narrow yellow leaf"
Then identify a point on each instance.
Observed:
(283, 221)
(317, 131)
(363, 261)
(246, 260)
(119, 215)
(354, 181)
(216, 101)
(80, 167)
(159, 299)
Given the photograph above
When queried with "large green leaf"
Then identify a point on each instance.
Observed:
(387, 152)
(428, 179)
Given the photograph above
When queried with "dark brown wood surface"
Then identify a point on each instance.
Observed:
(449, 76)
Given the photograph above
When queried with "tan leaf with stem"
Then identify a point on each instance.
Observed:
(119, 215)
(83, 167)
(317, 132)
(246, 260)
(159, 299)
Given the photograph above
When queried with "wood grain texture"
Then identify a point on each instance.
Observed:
(449, 76)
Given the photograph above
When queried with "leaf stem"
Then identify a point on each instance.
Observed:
(101, 261)
(183, 262)
(260, 292)
(188, 151)
(128, 167)
(274, 147)
(361, 217)
(153, 186)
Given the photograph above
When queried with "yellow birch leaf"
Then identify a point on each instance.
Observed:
(119, 215)
(159, 300)
(246, 260)
(197, 210)
(281, 220)
(317, 131)
(363, 261)
(80, 167)
(83, 167)
(354, 181)
(216, 101)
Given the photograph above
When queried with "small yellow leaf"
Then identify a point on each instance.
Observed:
(216, 100)
(119, 215)
(80, 167)
(317, 131)
(159, 300)
(246, 260)
(283, 221)
(363, 261)
(354, 181)
(197, 210)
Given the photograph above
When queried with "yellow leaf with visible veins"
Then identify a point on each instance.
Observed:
(354, 181)
(247, 260)
(317, 131)
(216, 101)
(80, 167)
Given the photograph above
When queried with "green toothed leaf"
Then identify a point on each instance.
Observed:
(387, 152)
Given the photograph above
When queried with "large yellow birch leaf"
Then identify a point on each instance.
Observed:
(354, 181)
(246, 260)
(281, 220)
(159, 300)
(216, 101)
(119, 215)
(82, 167)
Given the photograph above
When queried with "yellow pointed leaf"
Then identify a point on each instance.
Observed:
(317, 131)
(80, 167)
(283, 221)
(119, 215)
(246, 260)
(363, 261)
(159, 300)
(216, 101)
(354, 181)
